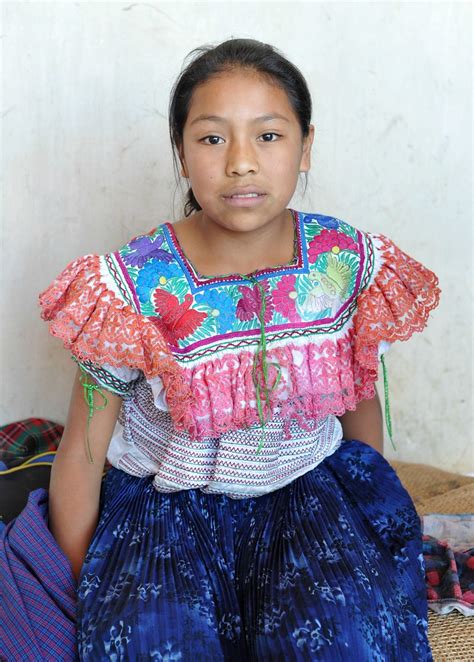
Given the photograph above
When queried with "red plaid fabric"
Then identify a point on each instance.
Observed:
(449, 575)
(23, 439)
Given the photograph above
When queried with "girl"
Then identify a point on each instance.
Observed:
(226, 370)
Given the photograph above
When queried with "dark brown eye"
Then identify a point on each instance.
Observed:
(206, 137)
(272, 133)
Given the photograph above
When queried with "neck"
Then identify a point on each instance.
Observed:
(247, 251)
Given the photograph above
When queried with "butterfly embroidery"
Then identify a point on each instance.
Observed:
(251, 301)
(177, 320)
(144, 248)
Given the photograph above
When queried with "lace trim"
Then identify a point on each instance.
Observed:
(96, 326)
(396, 305)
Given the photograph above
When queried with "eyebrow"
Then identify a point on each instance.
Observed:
(217, 118)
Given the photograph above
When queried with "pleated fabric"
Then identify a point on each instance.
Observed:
(329, 568)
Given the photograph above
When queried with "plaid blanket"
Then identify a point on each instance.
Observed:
(449, 562)
(23, 439)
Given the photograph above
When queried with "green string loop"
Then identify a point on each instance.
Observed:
(261, 357)
(388, 417)
(89, 389)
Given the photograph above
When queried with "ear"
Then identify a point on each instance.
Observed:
(305, 163)
(184, 171)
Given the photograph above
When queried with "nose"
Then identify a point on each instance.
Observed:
(241, 158)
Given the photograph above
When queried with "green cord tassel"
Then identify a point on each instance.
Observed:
(388, 417)
(262, 350)
(89, 398)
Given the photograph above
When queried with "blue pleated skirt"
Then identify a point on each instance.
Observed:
(329, 567)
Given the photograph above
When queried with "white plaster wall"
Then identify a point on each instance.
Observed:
(87, 165)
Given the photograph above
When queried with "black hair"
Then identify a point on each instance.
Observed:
(228, 56)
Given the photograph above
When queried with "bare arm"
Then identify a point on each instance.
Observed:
(74, 488)
(365, 423)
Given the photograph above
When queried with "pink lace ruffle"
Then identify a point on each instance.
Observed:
(94, 324)
(395, 305)
(317, 380)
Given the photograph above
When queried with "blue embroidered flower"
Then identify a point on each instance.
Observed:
(222, 308)
(167, 271)
(152, 274)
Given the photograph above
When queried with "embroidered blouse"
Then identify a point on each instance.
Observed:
(233, 384)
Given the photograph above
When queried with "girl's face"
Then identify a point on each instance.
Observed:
(238, 147)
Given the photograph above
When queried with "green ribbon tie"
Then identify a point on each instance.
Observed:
(89, 389)
(262, 352)
(388, 417)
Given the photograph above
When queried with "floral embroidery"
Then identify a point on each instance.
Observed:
(330, 241)
(221, 308)
(177, 320)
(328, 222)
(284, 298)
(152, 274)
(318, 299)
(251, 301)
(353, 291)
(145, 247)
(329, 288)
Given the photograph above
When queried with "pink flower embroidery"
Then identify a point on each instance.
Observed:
(330, 241)
(251, 301)
(284, 297)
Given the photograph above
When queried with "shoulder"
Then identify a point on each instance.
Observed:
(328, 234)
(338, 262)
(394, 292)
(138, 264)
(118, 277)
(92, 307)
(329, 237)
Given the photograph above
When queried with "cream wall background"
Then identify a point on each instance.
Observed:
(87, 165)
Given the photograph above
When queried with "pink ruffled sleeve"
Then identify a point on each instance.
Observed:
(395, 305)
(104, 333)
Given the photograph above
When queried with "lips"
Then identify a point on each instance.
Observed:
(243, 190)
